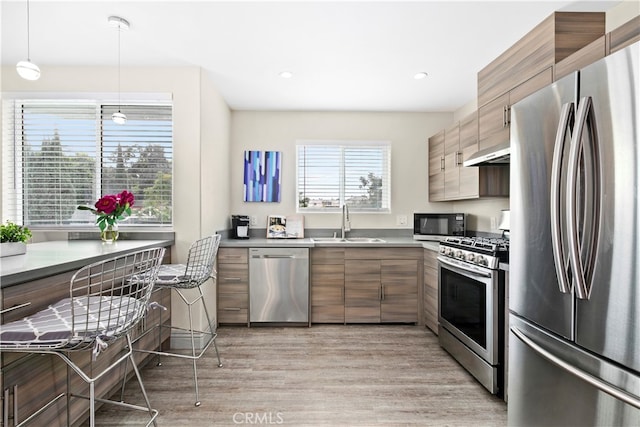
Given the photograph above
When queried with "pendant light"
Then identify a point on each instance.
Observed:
(120, 24)
(27, 69)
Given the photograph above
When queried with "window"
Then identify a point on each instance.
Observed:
(333, 173)
(58, 154)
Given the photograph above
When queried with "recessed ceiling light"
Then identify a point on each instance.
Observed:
(286, 74)
(421, 75)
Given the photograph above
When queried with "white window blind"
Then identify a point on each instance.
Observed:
(330, 174)
(58, 154)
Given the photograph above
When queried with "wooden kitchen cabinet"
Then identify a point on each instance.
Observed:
(327, 285)
(436, 167)
(452, 162)
(494, 118)
(551, 41)
(381, 285)
(587, 55)
(362, 290)
(456, 181)
(623, 36)
(233, 285)
(430, 293)
(469, 177)
(399, 290)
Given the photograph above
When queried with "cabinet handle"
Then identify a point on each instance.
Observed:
(441, 163)
(15, 405)
(232, 279)
(504, 116)
(231, 309)
(458, 158)
(5, 405)
(382, 291)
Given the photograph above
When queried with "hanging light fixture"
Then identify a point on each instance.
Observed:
(27, 69)
(119, 24)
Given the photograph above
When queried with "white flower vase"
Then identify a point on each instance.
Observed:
(110, 234)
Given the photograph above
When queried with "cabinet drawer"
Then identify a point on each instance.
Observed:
(327, 256)
(233, 288)
(230, 315)
(233, 256)
(231, 302)
(327, 295)
(233, 273)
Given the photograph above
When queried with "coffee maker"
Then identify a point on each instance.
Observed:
(239, 226)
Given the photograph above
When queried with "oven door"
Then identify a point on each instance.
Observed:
(468, 306)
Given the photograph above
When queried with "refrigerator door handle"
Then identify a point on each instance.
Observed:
(567, 117)
(585, 376)
(588, 155)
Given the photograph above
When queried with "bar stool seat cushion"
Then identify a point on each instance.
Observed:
(174, 275)
(95, 317)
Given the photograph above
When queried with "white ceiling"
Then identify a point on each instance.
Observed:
(345, 55)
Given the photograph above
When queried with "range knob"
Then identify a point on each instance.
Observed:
(459, 255)
(471, 257)
(443, 250)
(480, 259)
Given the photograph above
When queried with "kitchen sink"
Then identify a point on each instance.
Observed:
(348, 240)
(364, 240)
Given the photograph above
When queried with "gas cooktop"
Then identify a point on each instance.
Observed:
(482, 251)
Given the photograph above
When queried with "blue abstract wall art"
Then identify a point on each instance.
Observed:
(262, 176)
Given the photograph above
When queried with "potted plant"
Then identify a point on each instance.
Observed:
(13, 238)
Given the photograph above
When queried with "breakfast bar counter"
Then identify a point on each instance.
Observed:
(54, 257)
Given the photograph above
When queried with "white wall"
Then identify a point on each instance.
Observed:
(621, 13)
(200, 129)
(278, 131)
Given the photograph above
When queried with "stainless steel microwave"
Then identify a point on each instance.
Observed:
(438, 226)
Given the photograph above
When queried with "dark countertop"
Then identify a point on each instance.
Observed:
(49, 258)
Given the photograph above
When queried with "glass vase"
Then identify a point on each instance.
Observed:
(110, 234)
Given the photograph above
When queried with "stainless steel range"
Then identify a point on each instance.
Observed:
(472, 306)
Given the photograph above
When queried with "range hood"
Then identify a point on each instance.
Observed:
(497, 155)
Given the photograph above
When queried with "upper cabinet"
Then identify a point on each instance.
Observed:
(436, 167)
(528, 66)
(554, 39)
(449, 179)
(624, 35)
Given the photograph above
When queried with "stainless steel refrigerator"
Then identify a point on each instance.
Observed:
(574, 280)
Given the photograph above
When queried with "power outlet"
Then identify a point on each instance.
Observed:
(401, 220)
(494, 223)
(253, 220)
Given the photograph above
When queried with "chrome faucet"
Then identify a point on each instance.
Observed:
(346, 224)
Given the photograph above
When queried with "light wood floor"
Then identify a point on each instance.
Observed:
(364, 375)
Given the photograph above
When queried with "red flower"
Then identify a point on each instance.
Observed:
(107, 204)
(126, 197)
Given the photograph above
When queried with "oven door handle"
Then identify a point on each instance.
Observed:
(463, 270)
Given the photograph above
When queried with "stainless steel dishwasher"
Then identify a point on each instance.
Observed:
(279, 285)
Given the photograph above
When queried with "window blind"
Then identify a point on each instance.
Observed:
(58, 154)
(355, 173)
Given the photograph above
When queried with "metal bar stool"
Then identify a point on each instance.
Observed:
(106, 300)
(179, 277)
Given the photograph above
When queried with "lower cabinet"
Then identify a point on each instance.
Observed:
(381, 285)
(327, 285)
(430, 290)
(233, 286)
(30, 381)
